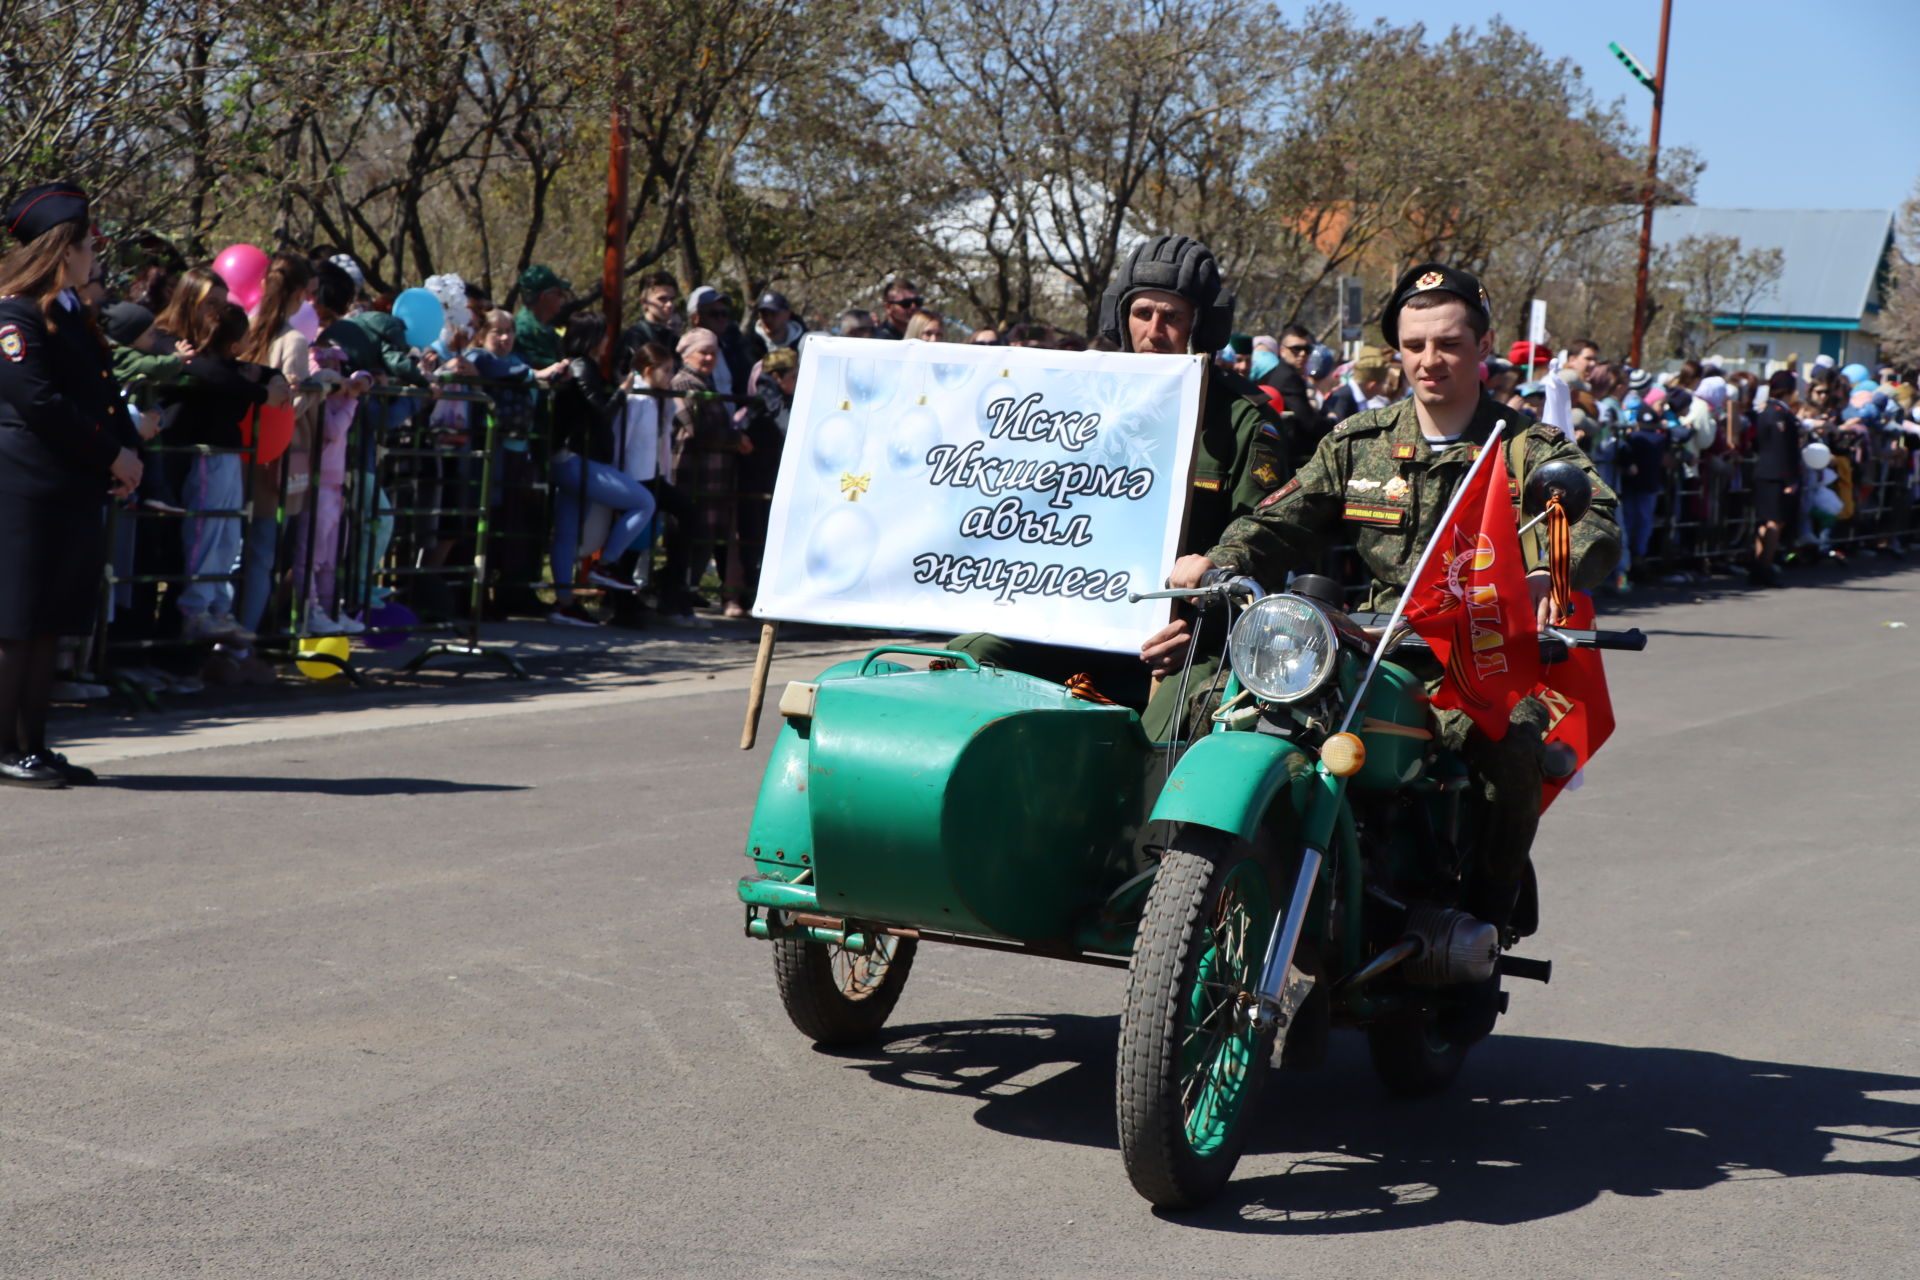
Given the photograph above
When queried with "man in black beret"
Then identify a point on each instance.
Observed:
(1383, 479)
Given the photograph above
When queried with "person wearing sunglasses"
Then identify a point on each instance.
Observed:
(1305, 424)
(902, 300)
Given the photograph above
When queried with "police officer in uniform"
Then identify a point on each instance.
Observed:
(1383, 478)
(66, 442)
(1168, 299)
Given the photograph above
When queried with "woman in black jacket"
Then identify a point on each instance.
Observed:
(66, 443)
(584, 413)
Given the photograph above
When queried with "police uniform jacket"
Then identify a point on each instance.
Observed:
(1377, 480)
(62, 420)
(62, 423)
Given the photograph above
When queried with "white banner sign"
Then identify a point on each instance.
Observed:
(951, 488)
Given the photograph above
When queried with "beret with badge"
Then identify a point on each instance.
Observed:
(40, 209)
(1432, 277)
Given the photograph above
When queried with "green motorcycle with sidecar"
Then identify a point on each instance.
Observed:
(1298, 867)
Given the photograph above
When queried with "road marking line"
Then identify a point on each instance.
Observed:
(133, 1158)
(756, 1034)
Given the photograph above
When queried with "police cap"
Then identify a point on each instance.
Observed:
(1432, 277)
(40, 209)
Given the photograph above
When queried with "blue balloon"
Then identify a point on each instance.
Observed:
(1856, 374)
(423, 315)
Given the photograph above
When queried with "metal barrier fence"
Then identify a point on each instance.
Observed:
(438, 497)
(429, 498)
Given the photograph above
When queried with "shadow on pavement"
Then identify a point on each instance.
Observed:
(1534, 1127)
(305, 786)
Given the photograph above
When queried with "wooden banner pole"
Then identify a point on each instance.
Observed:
(757, 694)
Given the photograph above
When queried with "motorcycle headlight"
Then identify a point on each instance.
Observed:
(1283, 648)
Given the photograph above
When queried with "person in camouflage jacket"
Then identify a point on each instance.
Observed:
(1386, 476)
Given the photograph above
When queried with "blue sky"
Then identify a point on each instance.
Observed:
(1758, 88)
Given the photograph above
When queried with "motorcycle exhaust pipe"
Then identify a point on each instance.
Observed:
(1403, 950)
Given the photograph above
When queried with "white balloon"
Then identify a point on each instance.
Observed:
(838, 444)
(1816, 456)
(917, 431)
(840, 548)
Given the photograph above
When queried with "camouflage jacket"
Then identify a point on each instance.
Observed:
(1241, 458)
(1377, 475)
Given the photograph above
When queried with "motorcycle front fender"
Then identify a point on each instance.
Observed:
(1228, 781)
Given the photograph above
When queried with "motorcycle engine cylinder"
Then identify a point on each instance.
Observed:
(1457, 947)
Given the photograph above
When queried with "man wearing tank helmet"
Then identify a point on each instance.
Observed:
(1383, 478)
(1167, 299)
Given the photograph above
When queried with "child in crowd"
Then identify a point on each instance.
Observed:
(273, 340)
(316, 537)
(1643, 462)
(584, 413)
(514, 497)
(646, 454)
(216, 393)
(143, 368)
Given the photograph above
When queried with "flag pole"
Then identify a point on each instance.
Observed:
(1487, 450)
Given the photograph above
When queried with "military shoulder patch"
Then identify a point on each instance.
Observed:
(1402, 452)
(1265, 475)
(13, 344)
(1290, 486)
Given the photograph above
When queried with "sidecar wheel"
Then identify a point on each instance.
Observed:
(1190, 1061)
(838, 997)
(1412, 1056)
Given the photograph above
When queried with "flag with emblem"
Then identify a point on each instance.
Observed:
(1579, 711)
(1468, 600)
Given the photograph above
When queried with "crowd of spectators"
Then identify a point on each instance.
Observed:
(1712, 466)
(640, 462)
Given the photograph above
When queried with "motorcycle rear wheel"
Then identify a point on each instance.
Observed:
(1412, 1056)
(839, 997)
(1190, 1063)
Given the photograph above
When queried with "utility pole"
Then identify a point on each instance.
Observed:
(1657, 85)
(619, 170)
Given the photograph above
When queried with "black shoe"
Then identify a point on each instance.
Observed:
(77, 775)
(24, 770)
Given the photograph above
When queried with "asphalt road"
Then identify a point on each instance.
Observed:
(467, 996)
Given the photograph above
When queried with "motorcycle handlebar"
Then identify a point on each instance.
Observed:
(1634, 641)
(1215, 584)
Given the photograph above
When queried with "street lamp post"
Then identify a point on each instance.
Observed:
(1656, 84)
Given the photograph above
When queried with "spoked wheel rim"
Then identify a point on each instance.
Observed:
(1220, 1048)
(858, 976)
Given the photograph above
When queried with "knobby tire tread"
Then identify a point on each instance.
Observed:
(803, 970)
(1147, 1074)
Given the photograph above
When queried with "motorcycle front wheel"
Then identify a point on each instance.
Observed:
(839, 997)
(1191, 1061)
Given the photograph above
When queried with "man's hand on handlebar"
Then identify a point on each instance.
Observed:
(1165, 651)
(1188, 570)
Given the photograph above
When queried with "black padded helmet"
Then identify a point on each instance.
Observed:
(1179, 265)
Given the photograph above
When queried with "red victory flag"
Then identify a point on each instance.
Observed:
(1469, 600)
(1579, 711)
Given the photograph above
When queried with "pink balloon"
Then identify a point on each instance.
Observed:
(244, 268)
(306, 322)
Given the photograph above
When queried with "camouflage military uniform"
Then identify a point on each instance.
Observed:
(1377, 475)
(1242, 458)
